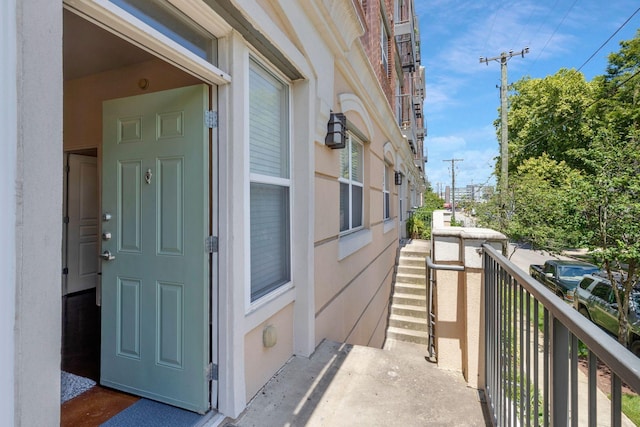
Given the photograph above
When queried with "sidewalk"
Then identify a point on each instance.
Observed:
(344, 385)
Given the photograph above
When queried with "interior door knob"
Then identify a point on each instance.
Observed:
(106, 255)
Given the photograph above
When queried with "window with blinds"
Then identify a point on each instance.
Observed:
(384, 47)
(351, 184)
(386, 198)
(270, 183)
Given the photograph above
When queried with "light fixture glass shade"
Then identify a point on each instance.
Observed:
(398, 178)
(336, 131)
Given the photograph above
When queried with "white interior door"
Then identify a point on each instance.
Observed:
(82, 224)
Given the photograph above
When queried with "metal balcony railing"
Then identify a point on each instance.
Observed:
(532, 352)
(404, 12)
(406, 51)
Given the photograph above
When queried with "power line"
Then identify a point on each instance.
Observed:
(552, 34)
(609, 39)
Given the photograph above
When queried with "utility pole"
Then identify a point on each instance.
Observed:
(453, 186)
(504, 134)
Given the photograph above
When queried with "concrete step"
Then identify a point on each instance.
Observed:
(409, 299)
(414, 311)
(418, 279)
(411, 269)
(408, 322)
(409, 253)
(411, 288)
(412, 261)
(408, 335)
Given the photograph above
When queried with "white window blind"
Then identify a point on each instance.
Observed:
(269, 197)
(385, 192)
(351, 184)
(384, 46)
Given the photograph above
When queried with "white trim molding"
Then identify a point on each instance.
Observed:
(351, 102)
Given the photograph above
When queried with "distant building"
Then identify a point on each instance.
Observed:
(473, 193)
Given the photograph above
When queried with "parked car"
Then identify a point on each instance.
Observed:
(595, 300)
(561, 276)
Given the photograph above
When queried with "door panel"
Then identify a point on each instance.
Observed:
(156, 289)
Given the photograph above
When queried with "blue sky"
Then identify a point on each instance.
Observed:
(462, 96)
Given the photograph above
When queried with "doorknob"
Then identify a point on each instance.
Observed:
(106, 255)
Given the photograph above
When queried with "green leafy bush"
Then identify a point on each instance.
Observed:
(419, 223)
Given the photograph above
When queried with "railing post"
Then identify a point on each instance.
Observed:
(459, 296)
(559, 391)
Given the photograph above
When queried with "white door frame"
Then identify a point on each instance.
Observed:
(115, 20)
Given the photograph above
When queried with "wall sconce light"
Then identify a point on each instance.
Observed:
(336, 131)
(398, 178)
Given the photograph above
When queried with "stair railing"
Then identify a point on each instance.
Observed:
(431, 315)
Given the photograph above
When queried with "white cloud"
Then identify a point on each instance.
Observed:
(475, 167)
(477, 148)
(446, 144)
(482, 29)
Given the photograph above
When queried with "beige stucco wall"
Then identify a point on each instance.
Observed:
(351, 294)
(262, 362)
(459, 298)
(83, 97)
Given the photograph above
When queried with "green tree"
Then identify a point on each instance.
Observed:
(613, 162)
(547, 116)
(547, 204)
(614, 212)
(575, 166)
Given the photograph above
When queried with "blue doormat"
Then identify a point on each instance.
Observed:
(146, 412)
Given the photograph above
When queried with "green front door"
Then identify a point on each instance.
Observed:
(155, 270)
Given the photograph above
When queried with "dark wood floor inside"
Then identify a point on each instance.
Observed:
(94, 407)
(81, 356)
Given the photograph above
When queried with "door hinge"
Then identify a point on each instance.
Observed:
(65, 270)
(212, 372)
(65, 220)
(211, 244)
(211, 119)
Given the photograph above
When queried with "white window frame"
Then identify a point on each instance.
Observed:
(256, 63)
(351, 138)
(386, 194)
(384, 46)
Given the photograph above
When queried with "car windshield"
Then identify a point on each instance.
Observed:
(634, 302)
(575, 273)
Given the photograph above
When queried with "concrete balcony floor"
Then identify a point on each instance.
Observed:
(344, 385)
